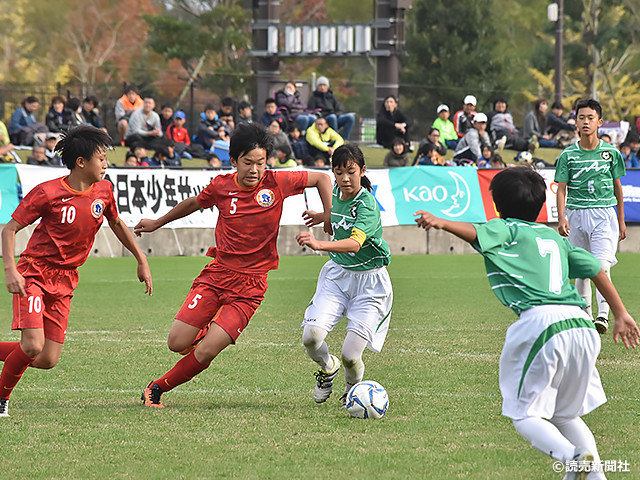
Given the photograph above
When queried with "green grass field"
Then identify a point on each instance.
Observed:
(251, 415)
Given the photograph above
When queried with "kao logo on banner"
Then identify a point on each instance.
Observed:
(460, 199)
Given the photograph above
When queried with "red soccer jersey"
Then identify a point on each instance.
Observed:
(247, 229)
(69, 220)
(178, 134)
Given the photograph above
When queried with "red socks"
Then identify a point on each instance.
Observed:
(184, 370)
(14, 366)
(6, 348)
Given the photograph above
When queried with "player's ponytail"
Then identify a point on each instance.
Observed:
(346, 154)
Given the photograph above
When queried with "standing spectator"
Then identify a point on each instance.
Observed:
(445, 126)
(289, 98)
(271, 113)
(298, 143)
(392, 123)
(535, 125)
(23, 125)
(128, 103)
(144, 126)
(469, 149)
(322, 139)
(462, 120)
(39, 157)
(563, 131)
(208, 127)
(328, 106)
(245, 112)
(397, 156)
(55, 116)
(166, 117)
(588, 175)
(502, 128)
(90, 111)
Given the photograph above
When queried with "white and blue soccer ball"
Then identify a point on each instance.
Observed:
(367, 399)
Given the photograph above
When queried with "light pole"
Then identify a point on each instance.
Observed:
(555, 14)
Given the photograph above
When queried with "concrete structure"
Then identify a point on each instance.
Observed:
(403, 240)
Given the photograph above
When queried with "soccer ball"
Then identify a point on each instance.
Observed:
(367, 399)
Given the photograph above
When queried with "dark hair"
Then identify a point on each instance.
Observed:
(130, 88)
(284, 148)
(249, 136)
(518, 192)
(243, 104)
(227, 102)
(73, 104)
(293, 127)
(58, 99)
(208, 106)
(29, 99)
(166, 105)
(82, 141)
(500, 99)
(269, 100)
(398, 141)
(542, 118)
(433, 129)
(129, 155)
(347, 153)
(557, 105)
(589, 103)
(92, 99)
(162, 150)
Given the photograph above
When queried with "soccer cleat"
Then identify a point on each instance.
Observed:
(501, 142)
(4, 407)
(197, 340)
(151, 396)
(343, 398)
(325, 381)
(580, 466)
(602, 325)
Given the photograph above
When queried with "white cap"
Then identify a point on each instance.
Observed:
(479, 117)
(470, 99)
(322, 81)
(442, 107)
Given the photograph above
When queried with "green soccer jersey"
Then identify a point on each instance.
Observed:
(359, 218)
(589, 175)
(529, 264)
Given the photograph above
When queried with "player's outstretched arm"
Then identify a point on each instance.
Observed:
(184, 208)
(561, 195)
(127, 239)
(625, 326)
(463, 230)
(346, 245)
(15, 282)
(322, 182)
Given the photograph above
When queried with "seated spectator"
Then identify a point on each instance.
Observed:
(322, 139)
(160, 157)
(23, 125)
(298, 143)
(284, 157)
(323, 101)
(131, 160)
(39, 157)
(7, 153)
(535, 125)
(72, 116)
(433, 138)
(428, 156)
(605, 137)
(503, 130)
(213, 161)
(245, 113)
(221, 147)
(226, 112)
(563, 131)
(391, 123)
(208, 127)
(469, 149)
(271, 113)
(398, 155)
(128, 103)
(462, 119)
(166, 117)
(141, 154)
(289, 98)
(229, 123)
(485, 160)
(173, 159)
(90, 111)
(50, 141)
(634, 142)
(496, 161)
(446, 128)
(279, 137)
(55, 116)
(144, 126)
(630, 160)
(179, 134)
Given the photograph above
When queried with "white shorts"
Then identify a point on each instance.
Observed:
(596, 230)
(548, 364)
(363, 296)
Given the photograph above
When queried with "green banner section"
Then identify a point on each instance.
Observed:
(447, 192)
(8, 191)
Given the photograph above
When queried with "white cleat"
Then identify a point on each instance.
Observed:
(325, 381)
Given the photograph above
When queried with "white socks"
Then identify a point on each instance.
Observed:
(352, 350)
(584, 290)
(316, 347)
(544, 436)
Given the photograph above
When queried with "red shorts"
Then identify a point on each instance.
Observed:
(227, 297)
(48, 300)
